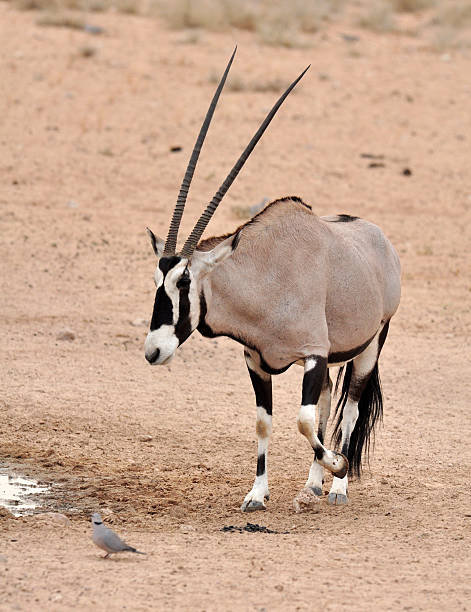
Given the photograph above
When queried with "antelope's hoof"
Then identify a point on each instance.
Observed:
(252, 506)
(339, 465)
(317, 491)
(337, 499)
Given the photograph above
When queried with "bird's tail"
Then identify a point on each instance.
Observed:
(138, 552)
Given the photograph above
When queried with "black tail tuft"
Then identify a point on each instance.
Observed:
(370, 410)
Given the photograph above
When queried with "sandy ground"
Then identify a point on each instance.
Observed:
(85, 165)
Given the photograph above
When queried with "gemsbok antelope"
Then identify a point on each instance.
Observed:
(291, 287)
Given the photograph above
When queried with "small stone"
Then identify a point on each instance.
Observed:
(93, 29)
(59, 518)
(3, 559)
(5, 514)
(186, 528)
(72, 204)
(306, 501)
(140, 323)
(66, 334)
(50, 518)
(145, 438)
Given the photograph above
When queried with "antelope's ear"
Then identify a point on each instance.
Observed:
(204, 261)
(157, 243)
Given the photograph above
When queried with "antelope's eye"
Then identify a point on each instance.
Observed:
(184, 281)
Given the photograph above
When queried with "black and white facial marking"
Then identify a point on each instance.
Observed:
(176, 309)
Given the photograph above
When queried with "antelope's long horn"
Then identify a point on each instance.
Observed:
(171, 242)
(194, 237)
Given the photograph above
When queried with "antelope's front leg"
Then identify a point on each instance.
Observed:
(261, 382)
(316, 473)
(315, 368)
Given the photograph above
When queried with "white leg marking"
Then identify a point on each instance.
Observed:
(255, 498)
(340, 486)
(306, 420)
(316, 478)
(338, 492)
(350, 416)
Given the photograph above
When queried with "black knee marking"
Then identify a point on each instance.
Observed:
(263, 391)
(260, 465)
(313, 381)
(318, 452)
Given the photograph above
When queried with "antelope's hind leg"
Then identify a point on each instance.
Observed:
(261, 382)
(361, 406)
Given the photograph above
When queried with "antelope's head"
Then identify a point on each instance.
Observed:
(178, 276)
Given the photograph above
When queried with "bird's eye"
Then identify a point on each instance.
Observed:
(184, 281)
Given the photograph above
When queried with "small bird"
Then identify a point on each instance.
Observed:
(107, 540)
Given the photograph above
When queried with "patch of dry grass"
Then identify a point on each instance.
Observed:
(61, 20)
(277, 22)
(236, 83)
(286, 23)
(379, 17)
(454, 14)
(96, 6)
(450, 26)
(209, 14)
(412, 6)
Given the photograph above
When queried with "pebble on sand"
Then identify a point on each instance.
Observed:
(50, 517)
(66, 334)
(59, 518)
(145, 438)
(140, 323)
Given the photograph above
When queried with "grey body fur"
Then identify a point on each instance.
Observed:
(299, 285)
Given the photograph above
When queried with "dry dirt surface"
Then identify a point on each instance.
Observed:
(168, 454)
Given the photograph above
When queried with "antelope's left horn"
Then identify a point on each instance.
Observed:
(171, 242)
